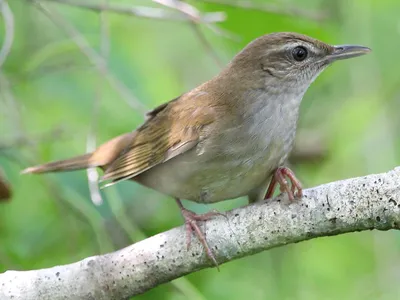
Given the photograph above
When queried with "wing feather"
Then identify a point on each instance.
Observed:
(171, 129)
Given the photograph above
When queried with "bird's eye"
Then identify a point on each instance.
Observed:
(299, 53)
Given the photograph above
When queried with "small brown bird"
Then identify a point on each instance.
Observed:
(228, 137)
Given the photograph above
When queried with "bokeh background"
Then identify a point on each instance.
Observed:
(75, 77)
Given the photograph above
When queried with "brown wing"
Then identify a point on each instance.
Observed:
(171, 129)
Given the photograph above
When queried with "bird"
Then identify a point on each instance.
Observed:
(228, 137)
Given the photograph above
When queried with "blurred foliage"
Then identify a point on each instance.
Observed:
(55, 97)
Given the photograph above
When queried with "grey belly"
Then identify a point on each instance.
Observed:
(209, 178)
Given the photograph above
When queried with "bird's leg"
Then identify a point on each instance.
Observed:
(271, 187)
(295, 191)
(192, 226)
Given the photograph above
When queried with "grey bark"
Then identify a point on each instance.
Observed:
(364, 203)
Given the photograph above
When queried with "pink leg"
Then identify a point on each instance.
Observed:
(271, 188)
(296, 185)
(192, 226)
(295, 191)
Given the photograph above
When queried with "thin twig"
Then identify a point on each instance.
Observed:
(223, 32)
(13, 111)
(93, 56)
(92, 174)
(272, 8)
(191, 12)
(207, 45)
(185, 8)
(9, 31)
(143, 11)
(194, 15)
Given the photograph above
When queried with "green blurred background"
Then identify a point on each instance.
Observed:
(53, 98)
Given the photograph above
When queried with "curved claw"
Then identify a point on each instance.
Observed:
(294, 191)
(192, 226)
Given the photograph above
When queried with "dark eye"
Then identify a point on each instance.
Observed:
(299, 53)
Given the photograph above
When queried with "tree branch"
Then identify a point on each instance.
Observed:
(364, 203)
(145, 11)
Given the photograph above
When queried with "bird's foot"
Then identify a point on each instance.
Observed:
(192, 226)
(294, 190)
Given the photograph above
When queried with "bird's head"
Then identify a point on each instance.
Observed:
(288, 60)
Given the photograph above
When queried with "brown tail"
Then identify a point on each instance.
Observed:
(101, 157)
(75, 163)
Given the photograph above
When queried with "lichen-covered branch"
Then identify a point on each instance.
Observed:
(364, 203)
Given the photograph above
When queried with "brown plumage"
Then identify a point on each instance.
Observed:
(227, 137)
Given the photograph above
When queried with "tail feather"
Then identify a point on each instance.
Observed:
(75, 163)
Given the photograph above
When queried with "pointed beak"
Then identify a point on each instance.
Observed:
(347, 51)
